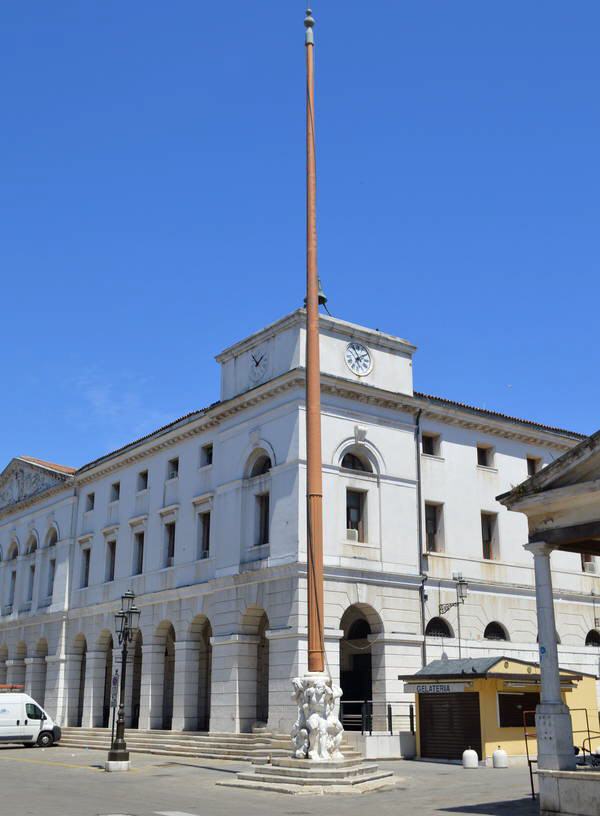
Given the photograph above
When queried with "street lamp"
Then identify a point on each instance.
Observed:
(462, 590)
(127, 621)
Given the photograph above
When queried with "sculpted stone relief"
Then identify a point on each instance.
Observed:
(20, 482)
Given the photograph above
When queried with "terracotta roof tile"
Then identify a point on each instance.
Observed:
(49, 465)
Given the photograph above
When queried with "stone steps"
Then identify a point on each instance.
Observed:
(293, 776)
(256, 748)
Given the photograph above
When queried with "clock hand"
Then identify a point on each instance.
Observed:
(258, 362)
(254, 358)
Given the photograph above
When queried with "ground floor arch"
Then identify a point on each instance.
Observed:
(167, 634)
(136, 680)
(79, 665)
(361, 666)
(37, 671)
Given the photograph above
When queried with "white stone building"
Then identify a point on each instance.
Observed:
(205, 520)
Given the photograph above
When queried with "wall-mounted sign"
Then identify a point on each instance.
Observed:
(433, 688)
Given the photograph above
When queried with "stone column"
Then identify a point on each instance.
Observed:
(56, 698)
(233, 688)
(284, 662)
(35, 678)
(128, 683)
(185, 690)
(151, 692)
(93, 697)
(552, 719)
(72, 674)
(15, 671)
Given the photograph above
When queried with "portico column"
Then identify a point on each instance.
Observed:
(151, 687)
(56, 701)
(233, 689)
(35, 679)
(185, 687)
(15, 671)
(128, 685)
(93, 695)
(552, 719)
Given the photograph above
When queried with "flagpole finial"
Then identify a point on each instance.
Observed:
(309, 22)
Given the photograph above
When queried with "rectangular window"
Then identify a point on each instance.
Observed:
(51, 574)
(111, 552)
(533, 465)
(89, 502)
(485, 456)
(587, 562)
(173, 468)
(512, 706)
(170, 543)
(432, 522)
(138, 553)
(85, 567)
(142, 480)
(206, 455)
(488, 535)
(262, 502)
(355, 512)
(30, 583)
(204, 521)
(13, 586)
(431, 444)
(115, 491)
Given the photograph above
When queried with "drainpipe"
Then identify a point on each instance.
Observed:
(422, 574)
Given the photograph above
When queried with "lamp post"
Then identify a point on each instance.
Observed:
(126, 625)
(462, 590)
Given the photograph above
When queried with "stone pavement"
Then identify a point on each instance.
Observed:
(70, 782)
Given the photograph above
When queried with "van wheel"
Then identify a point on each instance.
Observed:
(45, 739)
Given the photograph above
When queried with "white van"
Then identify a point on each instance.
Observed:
(23, 720)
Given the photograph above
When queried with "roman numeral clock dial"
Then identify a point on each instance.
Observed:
(358, 359)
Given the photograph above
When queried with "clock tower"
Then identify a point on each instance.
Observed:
(348, 352)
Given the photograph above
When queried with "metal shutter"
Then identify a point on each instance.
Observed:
(448, 724)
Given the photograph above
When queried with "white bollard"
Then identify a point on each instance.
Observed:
(470, 759)
(500, 758)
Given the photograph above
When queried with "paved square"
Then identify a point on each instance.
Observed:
(71, 782)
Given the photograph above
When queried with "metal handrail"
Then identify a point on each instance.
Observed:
(369, 711)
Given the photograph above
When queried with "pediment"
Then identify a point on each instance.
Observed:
(22, 480)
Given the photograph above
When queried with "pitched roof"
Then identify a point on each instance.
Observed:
(48, 465)
(466, 666)
(485, 412)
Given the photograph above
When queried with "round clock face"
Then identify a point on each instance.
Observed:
(358, 359)
(258, 364)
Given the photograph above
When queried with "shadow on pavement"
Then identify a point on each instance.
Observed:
(514, 807)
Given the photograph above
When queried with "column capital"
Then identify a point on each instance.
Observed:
(538, 548)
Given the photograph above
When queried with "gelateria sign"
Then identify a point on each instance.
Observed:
(434, 688)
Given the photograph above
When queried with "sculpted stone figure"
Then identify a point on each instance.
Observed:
(317, 732)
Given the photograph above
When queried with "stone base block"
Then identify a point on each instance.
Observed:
(112, 766)
(569, 793)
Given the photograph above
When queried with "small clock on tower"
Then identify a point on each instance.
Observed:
(259, 362)
(358, 359)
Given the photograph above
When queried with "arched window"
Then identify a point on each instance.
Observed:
(261, 466)
(437, 627)
(31, 545)
(52, 537)
(359, 630)
(351, 461)
(13, 551)
(592, 638)
(495, 631)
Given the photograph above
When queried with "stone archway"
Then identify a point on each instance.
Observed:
(197, 716)
(3, 658)
(361, 668)
(80, 652)
(136, 681)
(262, 672)
(168, 679)
(38, 672)
(107, 686)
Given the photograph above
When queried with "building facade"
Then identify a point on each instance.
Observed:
(205, 520)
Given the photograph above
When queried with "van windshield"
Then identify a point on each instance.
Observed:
(34, 712)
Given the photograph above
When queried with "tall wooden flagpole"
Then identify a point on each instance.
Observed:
(314, 487)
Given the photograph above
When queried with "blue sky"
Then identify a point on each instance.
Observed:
(152, 201)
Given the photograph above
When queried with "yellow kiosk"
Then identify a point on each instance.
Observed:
(480, 704)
